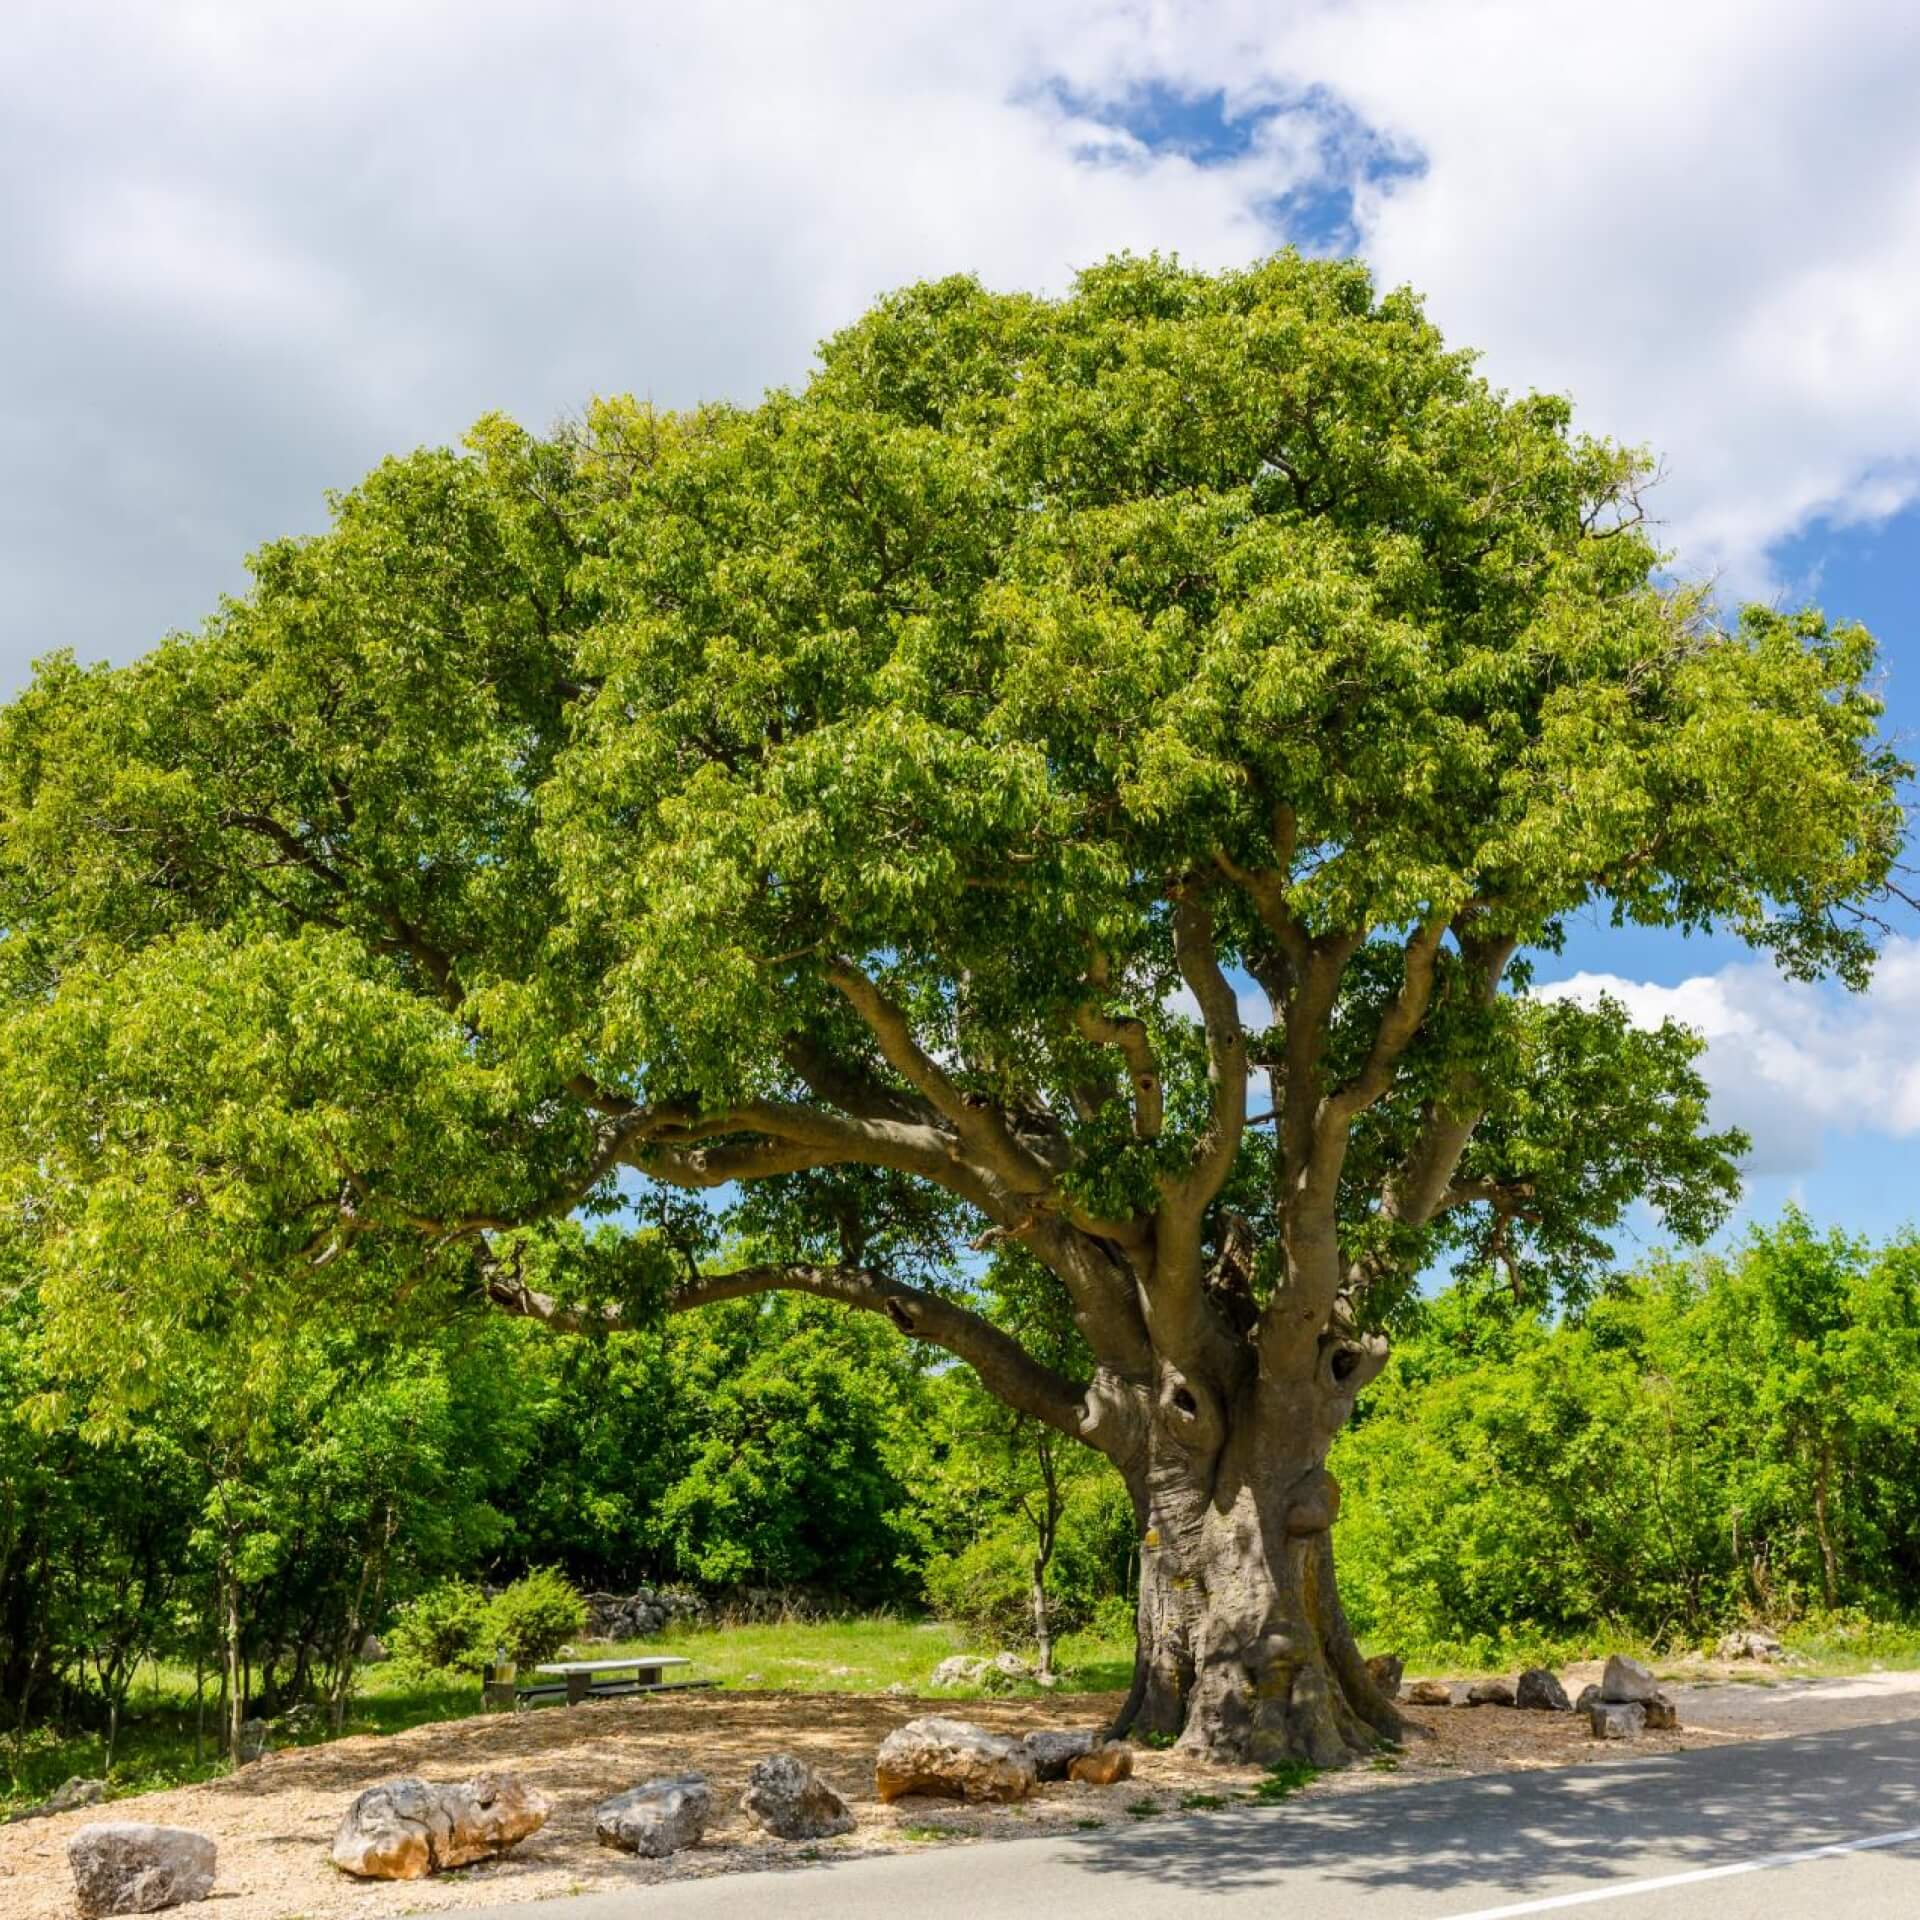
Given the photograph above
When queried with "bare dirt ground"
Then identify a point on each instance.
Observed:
(274, 1821)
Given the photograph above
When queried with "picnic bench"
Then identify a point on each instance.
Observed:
(577, 1680)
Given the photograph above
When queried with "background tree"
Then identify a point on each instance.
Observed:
(924, 803)
(1003, 1495)
(1699, 1442)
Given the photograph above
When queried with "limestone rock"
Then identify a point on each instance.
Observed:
(643, 1614)
(1661, 1713)
(406, 1829)
(791, 1801)
(1385, 1670)
(1052, 1750)
(936, 1755)
(1104, 1766)
(1616, 1719)
(1490, 1693)
(1750, 1644)
(656, 1818)
(1431, 1693)
(1540, 1690)
(373, 1650)
(1627, 1680)
(959, 1670)
(76, 1792)
(120, 1866)
(1009, 1666)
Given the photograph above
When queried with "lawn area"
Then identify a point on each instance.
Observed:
(156, 1747)
(868, 1656)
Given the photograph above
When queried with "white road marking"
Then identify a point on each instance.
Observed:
(1623, 1889)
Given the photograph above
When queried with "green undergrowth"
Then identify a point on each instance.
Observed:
(1818, 1646)
(1283, 1780)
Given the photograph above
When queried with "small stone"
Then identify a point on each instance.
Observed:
(1104, 1766)
(1431, 1693)
(1384, 1670)
(1490, 1693)
(1539, 1690)
(120, 1866)
(936, 1755)
(1616, 1719)
(1052, 1750)
(791, 1801)
(1589, 1694)
(1627, 1680)
(656, 1818)
(1661, 1713)
(406, 1829)
(1750, 1644)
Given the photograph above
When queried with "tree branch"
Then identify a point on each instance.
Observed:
(978, 1122)
(1413, 1193)
(1005, 1367)
(1187, 1199)
(1135, 1045)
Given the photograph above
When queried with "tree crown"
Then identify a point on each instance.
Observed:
(909, 809)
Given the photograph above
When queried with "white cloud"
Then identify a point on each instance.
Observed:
(252, 248)
(1788, 1062)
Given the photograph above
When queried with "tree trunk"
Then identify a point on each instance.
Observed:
(1245, 1653)
(1823, 1530)
(236, 1683)
(1046, 1532)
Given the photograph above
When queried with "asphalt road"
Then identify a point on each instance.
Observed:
(1715, 1835)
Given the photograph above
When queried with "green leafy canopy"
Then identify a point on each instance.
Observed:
(832, 805)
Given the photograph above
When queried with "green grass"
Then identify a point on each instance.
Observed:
(1142, 1809)
(869, 1656)
(1830, 1646)
(1283, 1780)
(1201, 1802)
(840, 1656)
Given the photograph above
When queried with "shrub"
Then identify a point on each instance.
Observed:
(533, 1619)
(441, 1630)
(987, 1586)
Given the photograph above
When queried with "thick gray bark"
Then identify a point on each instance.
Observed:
(1245, 1652)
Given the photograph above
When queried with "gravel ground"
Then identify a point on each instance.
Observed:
(274, 1821)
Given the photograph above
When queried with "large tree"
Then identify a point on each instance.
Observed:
(1075, 779)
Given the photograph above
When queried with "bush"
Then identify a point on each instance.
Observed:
(442, 1630)
(533, 1619)
(987, 1586)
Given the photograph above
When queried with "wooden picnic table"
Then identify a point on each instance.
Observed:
(577, 1680)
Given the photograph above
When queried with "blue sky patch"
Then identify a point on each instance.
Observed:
(1211, 129)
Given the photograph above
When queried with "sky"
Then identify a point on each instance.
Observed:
(247, 248)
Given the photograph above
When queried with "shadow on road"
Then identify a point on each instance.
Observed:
(1593, 1823)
